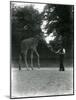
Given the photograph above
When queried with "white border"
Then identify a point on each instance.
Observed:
(5, 47)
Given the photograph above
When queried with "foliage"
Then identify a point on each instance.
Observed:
(60, 17)
(25, 23)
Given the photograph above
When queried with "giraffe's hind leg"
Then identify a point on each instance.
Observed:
(26, 60)
(32, 59)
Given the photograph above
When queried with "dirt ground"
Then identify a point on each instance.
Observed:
(41, 82)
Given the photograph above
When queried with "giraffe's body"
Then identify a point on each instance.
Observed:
(26, 44)
(30, 43)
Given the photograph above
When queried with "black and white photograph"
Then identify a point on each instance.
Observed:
(42, 49)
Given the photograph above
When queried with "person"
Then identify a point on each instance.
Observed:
(61, 53)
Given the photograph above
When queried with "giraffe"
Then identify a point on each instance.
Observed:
(32, 43)
(26, 44)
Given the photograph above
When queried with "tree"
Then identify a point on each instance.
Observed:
(60, 18)
(25, 23)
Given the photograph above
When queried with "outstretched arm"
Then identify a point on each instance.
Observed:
(58, 51)
(51, 48)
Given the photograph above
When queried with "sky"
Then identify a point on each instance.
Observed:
(37, 6)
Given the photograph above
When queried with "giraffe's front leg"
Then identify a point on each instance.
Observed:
(38, 58)
(26, 61)
(19, 62)
(38, 62)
